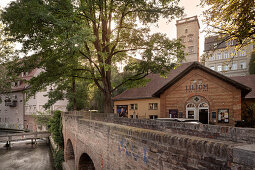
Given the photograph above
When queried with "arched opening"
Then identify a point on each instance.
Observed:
(197, 107)
(190, 111)
(70, 158)
(86, 163)
(203, 113)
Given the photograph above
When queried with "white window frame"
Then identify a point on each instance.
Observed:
(243, 65)
(219, 68)
(234, 68)
(226, 55)
(218, 56)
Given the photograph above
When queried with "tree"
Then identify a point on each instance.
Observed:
(6, 55)
(85, 39)
(252, 64)
(233, 19)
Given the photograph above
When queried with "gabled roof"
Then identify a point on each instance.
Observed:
(158, 84)
(151, 87)
(23, 85)
(249, 81)
(196, 65)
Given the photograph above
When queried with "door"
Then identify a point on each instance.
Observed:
(203, 116)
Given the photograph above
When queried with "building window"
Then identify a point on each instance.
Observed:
(219, 68)
(132, 116)
(211, 57)
(183, 39)
(234, 66)
(190, 38)
(133, 106)
(191, 49)
(233, 53)
(212, 67)
(219, 56)
(243, 65)
(153, 106)
(153, 116)
(226, 55)
(225, 67)
(242, 53)
(186, 30)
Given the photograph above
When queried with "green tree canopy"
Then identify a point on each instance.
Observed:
(6, 55)
(234, 18)
(85, 39)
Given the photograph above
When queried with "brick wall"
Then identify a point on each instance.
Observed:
(220, 95)
(117, 146)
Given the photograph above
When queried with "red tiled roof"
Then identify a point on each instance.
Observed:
(159, 84)
(23, 85)
(249, 81)
(151, 87)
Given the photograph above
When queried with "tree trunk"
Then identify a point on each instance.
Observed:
(108, 102)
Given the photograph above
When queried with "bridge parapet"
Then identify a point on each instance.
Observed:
(227, 133)
(118, 146)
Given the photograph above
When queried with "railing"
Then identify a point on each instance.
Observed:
(227, 133)
(23, 136)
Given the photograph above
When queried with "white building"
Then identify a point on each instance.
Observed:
(16, 112)
(224, 58)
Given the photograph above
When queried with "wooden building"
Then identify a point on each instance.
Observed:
(190, 91)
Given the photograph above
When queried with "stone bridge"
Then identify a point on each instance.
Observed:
(103, 141)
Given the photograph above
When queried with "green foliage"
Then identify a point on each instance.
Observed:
(252, 64)
(42, 118)
(234, 18)
(6, 55)
(55, 127)
(78, 40)
(80, 95)
(58, 157)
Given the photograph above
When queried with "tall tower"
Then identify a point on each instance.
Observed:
(188, 32)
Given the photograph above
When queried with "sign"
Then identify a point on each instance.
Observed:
(196, 87)
(223, 115)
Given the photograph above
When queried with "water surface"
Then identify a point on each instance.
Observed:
(25, 156)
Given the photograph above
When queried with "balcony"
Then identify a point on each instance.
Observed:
(11, 103)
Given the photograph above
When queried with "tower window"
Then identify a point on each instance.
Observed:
(186, 30)
(191, 49)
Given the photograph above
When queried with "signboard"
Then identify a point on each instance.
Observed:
(196, 87)
(223, 115)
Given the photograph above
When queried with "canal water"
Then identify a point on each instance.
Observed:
(24, 156)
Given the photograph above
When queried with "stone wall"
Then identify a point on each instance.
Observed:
(118, 146)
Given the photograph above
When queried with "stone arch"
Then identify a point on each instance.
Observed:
(86, 163)
(70, 156)
(199, 110)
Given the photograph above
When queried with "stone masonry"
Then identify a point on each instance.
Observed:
(108, 142)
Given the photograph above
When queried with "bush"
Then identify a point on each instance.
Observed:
(55, 127)
(58, 157)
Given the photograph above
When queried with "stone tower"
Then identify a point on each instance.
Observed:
(188, 32)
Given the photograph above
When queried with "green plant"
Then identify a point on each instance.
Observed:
(58, 159)
(42, 118)
(55, 127)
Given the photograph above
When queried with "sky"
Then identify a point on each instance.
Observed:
(191, 8)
